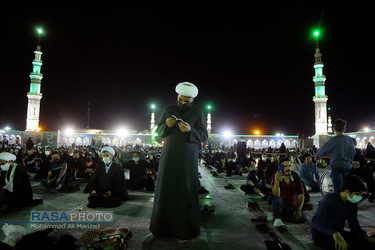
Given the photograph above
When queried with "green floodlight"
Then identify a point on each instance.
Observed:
(316, 33)
(40, 31)
(153, 106)
(208, 107)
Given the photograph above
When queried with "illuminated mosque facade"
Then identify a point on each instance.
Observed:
(91, 137)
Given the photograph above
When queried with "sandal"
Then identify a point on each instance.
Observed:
(206, 209)
(260, 219)
(272, 245)
(229, 186)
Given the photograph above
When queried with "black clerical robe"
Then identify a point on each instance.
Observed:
(113, 181)
(176, 205)
(22, 193)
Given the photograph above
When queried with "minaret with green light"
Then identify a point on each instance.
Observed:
(34, 95)
(320, 99)
(209, 119)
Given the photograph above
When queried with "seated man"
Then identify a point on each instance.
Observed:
(309, 174)
(107, 186)
(362, 169)
(57, 176)
(15, 188)
(76, 166)
(90, 168)
(231, 165)
(333, 211)
(218, 156)
(248, 163)
(288, 193)
(270, 166)
(255, 183)
(223, 165)
(139, 172)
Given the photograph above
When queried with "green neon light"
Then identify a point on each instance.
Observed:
(34, 88)
(320, 91)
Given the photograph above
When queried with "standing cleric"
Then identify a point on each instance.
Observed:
(176, 212)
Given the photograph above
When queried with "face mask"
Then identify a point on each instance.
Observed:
(135, 159)
(47, 152)
(5, 167)
(355, 199)
(106, 160)
(184, 106)
(247, 156)
(71, 154)
(264, 158)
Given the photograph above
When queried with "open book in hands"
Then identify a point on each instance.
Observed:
(177, 119)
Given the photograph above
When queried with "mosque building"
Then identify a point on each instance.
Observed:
(98, 137)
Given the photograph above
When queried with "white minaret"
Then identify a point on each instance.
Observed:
(320, 99)
(152, 117)
(209, 120)
(330, 131)
(34, 95)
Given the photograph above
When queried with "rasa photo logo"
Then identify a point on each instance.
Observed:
(71, 219)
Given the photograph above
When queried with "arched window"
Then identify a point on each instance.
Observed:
(278, 145)
(70, 141)
(250, 144)
(115, 142)
(86, 141)
(79, 141)
(264, 144)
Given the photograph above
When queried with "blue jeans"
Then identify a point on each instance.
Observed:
(337, 174)
(285, 212)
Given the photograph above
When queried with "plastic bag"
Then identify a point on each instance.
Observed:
(13, 234)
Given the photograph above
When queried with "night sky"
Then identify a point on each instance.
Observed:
(252, 62)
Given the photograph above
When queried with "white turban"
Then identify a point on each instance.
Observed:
(5, 156)
(187, 89)
(109, 150)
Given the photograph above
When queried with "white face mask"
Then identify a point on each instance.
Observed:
(264, 158)
(107, 160)
(355, 199)
(47, 152)
(5, 167)
(71, 154)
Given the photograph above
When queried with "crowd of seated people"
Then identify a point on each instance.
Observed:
(287, 189)
(64, 169)
(268, 172)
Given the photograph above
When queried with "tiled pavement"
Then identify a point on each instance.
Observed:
(229, 228)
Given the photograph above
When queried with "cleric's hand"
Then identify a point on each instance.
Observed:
(170, 122)
(184, 127)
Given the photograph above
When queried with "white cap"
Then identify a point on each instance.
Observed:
(109, 150)
(187, 89)
(5, 156)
